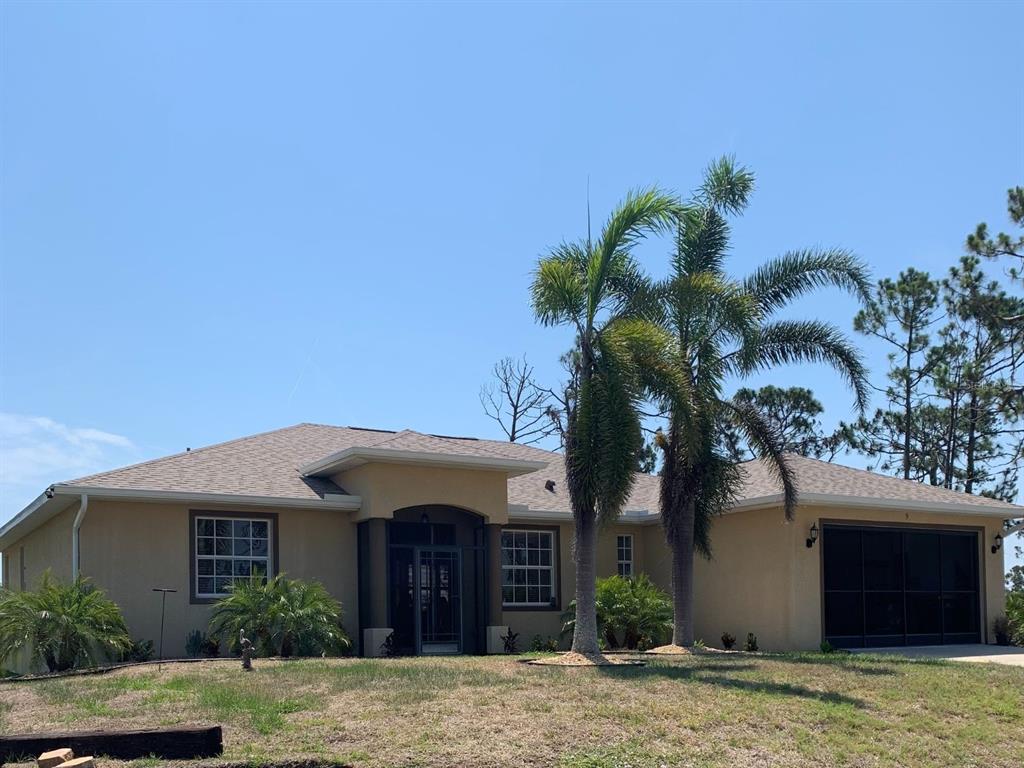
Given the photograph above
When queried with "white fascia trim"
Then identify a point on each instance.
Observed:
(25, 514)
(330, 500)
(630, 517)
(353, 457)
(834, 500)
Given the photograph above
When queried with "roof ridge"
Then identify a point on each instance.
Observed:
(189, 452)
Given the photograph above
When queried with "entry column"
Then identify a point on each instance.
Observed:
(376, 631)
(495, 629)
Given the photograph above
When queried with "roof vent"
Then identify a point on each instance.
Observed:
(550, 485)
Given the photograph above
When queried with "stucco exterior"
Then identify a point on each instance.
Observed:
(137, 534)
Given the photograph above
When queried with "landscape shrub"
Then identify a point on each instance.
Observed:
(541, 644)
(751, 645)
(728, 641)
(199, 645)
(510, 639)
(1015, 617)
(632, 613)
(64, 625)
(281, 616)
(138, 650)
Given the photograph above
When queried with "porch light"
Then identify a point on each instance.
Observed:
(813, 537)
(999, 543)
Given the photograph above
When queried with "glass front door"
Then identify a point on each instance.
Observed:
(438, 586)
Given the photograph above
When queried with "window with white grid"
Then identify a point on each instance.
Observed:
(230, 549)
(528, 568)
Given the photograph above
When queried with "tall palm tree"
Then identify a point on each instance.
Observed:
(722, 329)
(588, 286)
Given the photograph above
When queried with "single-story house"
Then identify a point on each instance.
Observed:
(447, 542)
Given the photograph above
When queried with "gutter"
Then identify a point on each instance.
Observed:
(83, 507)
(329, 501)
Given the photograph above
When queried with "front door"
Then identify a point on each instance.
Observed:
(438, 575)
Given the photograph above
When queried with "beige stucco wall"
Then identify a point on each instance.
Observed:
(548, 623)
(48, 546)
(764, 579)
(385, 488)
(128, 548)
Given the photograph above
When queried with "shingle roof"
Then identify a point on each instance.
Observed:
(268, 464)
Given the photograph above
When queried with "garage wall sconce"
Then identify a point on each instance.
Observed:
(999, 543)
(813, 537)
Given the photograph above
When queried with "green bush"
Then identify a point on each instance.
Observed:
(1015, 617)
(64, 625)
(199, 645)
(728, 641)
(541, 644)
(751, 645)
(631, 613)
(138, 650)
(281, 616)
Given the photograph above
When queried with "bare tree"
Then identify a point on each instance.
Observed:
(519, 405)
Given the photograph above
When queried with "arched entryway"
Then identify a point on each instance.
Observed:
(437, 580)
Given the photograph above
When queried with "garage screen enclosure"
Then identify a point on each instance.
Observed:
(900, 586)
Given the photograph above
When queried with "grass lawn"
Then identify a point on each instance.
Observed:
(704, 710)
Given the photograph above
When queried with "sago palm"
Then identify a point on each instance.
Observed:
(63, 625)
(306, 619)
(281, 616)
(588, 286)
(725, 329)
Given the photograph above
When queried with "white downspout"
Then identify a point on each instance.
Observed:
(83, 507)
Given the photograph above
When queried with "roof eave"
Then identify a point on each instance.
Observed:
(354, 457)
(869, 502)
(328, 501)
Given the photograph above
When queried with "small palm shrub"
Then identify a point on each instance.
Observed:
(632, 613)
(751, 645)
(281, 616)
(64, 625)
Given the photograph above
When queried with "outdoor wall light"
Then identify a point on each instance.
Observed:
(813, 536)
(999, 543)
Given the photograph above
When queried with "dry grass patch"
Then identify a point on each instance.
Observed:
(681, 710)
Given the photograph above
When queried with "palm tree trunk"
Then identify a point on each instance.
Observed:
(681, 544)
(584, 636)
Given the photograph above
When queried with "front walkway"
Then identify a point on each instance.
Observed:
(995, 654)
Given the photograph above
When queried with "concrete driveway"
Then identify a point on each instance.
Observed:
(994, 654)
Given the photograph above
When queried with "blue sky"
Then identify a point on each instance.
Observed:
(221, 219)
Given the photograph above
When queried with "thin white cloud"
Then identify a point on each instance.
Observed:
(36, 451)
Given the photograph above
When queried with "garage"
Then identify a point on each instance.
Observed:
(887, 586)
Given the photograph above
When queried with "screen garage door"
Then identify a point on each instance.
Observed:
(895, 586)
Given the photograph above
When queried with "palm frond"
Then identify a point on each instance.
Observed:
(702, 240)
(642, 212)
(796, 273)
(558, 291)
(726, 186)
(786, 342)
(767, 444)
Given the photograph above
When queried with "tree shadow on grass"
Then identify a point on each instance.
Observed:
(698, 674)
(847, 662)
